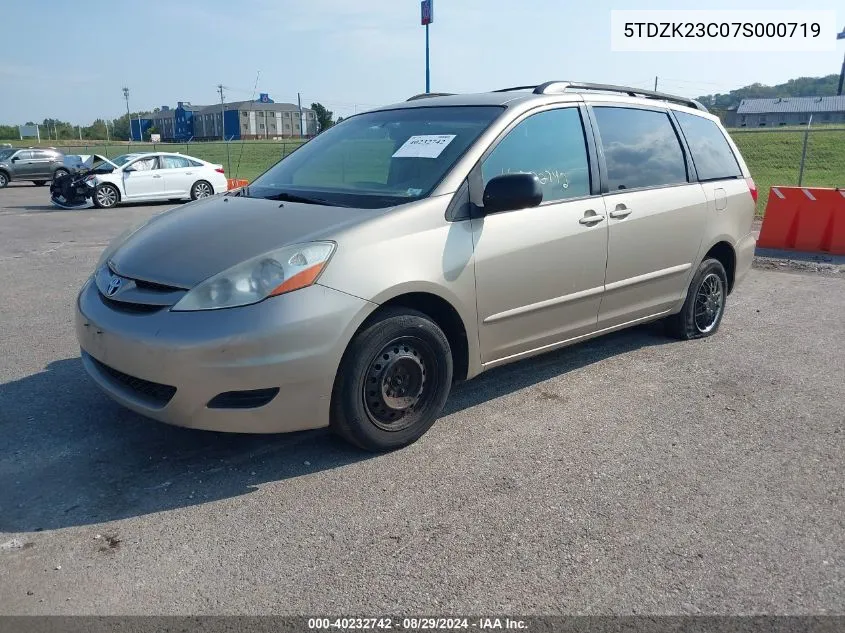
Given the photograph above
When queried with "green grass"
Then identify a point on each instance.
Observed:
(774, 159)
(773, 156)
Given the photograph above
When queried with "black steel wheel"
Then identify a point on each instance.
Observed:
(704, 307)
(393, 381)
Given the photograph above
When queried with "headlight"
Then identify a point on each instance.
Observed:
(268, 275)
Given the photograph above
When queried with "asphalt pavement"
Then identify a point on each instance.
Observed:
(630, 474)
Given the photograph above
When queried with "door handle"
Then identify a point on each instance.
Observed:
(156, 175)
(189, 173)
(591, 219)
(621, 211)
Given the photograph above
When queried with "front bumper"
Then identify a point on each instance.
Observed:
(292, 342)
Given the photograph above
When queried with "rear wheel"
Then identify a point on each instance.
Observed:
(106, 196)
(393, 381)
(39, 183)
(4, 179)
(201, 189)
(59, 173)
(705, 304)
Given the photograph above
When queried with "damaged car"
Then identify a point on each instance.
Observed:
(139, 177)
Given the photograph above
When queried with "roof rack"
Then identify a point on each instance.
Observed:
(426, 95)
(559, 87)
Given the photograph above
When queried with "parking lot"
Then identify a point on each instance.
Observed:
(631, 474)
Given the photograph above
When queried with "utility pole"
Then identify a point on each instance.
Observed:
(128, 115)
(223, 126)
(841, 36)
(299, 101)
(655, 84)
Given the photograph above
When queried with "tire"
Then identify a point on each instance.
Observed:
(393, 381)
(201, 189)
(39, 183)
(4, 179)
(59, 173)
(106, 196)
(705, 303)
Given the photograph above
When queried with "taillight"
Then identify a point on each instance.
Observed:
(220, 171)
(752, 188)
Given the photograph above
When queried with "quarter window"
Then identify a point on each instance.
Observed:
(711, 154)
(550, 145)
(640, 147)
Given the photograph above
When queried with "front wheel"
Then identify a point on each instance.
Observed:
(106, 196)
(4, 179)
(201, 189)
(705, 304)
(393, 381)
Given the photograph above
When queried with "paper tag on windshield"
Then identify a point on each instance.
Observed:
(424, 146)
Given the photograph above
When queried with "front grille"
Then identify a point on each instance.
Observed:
(154, 287)
(157, 394)
(251, 399)
(129, 308)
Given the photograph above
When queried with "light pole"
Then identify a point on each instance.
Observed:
(427, 17)
(841, 36)
(128, 115)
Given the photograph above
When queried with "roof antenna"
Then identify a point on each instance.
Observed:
(251, 106)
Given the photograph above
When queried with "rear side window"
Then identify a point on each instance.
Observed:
(711, 153)
(640, 147)
(549, 145)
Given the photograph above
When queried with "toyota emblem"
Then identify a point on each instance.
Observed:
(114, 286)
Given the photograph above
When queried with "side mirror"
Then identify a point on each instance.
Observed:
(15, 159)
(512, 191)
(128, 169)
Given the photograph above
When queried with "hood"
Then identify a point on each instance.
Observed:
(77, 162)
(189, 244)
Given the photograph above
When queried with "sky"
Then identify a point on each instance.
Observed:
(69, 60)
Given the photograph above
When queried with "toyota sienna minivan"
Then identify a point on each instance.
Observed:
(418, 244)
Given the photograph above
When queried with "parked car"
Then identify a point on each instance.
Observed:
(418, 244)
(36, 164)
(137, 177)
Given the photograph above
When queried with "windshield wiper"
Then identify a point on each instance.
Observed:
(284, 196)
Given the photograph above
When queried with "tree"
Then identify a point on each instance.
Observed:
(324, 116)
(339, 119)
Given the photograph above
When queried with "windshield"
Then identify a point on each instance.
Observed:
(123, 159)
(378, 159)
(6, 153)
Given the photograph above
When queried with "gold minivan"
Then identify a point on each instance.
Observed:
(418, 244)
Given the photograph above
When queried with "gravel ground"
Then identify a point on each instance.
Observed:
(632, 474)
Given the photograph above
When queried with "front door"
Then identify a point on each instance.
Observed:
(24, 166)
(656, 216)
(143, 179)
(540, 271)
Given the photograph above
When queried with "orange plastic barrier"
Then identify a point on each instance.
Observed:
(234, 183)
(810, 219)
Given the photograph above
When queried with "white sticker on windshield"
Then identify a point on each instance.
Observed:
(424, 146)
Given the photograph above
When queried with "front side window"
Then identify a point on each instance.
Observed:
(711, 154)
(145, 164)
(550, 145)
(378, 159)
(640, 147)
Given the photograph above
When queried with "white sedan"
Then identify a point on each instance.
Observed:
(154, 176)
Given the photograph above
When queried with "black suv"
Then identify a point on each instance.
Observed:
(31, 163)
